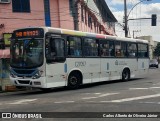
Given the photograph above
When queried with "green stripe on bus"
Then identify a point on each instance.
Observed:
(73, 33)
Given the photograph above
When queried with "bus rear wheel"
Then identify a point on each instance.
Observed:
(125, 75)
(74, 80)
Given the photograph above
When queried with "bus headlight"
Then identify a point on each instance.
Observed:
(37, 75)
(12, 75)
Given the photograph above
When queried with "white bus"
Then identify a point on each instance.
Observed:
(46, 57)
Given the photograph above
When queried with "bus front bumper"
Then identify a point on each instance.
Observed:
(28, 82)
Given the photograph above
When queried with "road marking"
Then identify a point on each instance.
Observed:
(65, 102)
(137, 88)
(92, 101)
(103, 95)
(133, 98)
(148, 102)
(87, 98)
(108, 94)
(24, 101)
(157, 83)
(144, 88)
(154, 87)
(93, 93)
(151, 102)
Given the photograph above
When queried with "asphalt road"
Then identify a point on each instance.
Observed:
(138, 95)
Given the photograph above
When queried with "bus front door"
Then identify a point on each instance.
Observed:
(55, 62)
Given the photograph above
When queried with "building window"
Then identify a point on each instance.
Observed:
(85, 14)
(21, 6)
(82, 17)
(71, 7)
(95, 24)
(100, 28)
(97, 27)
(89, 21)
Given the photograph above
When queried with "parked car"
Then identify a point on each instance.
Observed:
(153, 63)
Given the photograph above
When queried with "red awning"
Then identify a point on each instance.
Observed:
(5, 53)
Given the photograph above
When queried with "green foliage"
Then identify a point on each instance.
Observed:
(157, 50)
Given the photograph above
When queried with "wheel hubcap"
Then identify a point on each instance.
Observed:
(73, 80)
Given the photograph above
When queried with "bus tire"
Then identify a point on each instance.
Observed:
(74, 80)
(125, 75)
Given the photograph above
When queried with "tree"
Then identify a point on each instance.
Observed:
(157, 51)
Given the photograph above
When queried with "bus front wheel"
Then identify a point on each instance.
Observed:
(125, 75)
(74, 80)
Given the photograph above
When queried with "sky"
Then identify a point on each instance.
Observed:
(142, 10)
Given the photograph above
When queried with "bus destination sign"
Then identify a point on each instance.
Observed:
(25, 33)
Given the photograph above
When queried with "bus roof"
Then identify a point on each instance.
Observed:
(94, 35)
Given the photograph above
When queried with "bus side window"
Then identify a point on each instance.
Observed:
(142, 50)
(90, 47)
(123, 49)
(74, 46)
(111, 49)
(104, 48)
(132, 50)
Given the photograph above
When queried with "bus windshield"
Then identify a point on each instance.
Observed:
(26, 53)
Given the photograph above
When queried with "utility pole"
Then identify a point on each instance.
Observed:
(127, 15)
(125, 19)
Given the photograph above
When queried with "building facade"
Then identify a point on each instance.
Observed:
(82, 15)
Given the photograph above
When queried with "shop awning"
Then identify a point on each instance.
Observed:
(5, 53)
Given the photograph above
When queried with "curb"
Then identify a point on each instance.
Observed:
(10, 88)
(17, 90)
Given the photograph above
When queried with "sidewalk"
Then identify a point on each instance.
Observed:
(6, 85)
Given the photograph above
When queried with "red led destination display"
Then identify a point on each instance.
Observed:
(28, 33)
